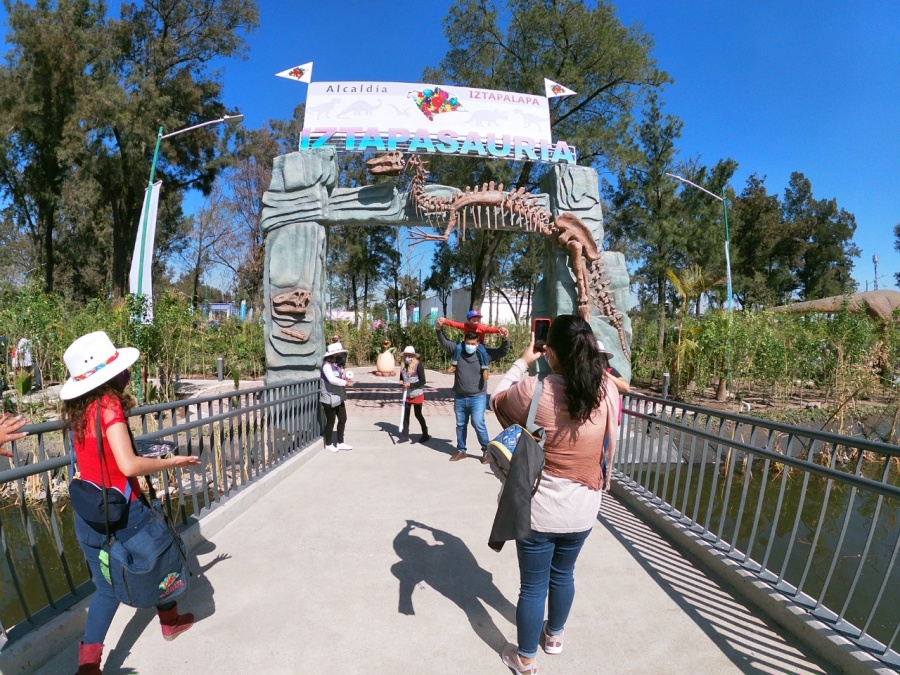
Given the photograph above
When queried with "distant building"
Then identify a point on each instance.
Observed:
(220, 310)
(498, 308)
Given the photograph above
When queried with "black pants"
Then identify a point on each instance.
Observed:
(419, 416)
(340, 412)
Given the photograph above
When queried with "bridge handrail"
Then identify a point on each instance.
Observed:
(658, 458)
(885, 489)
(247, 431)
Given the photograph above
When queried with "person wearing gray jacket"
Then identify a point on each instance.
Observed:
(332, 394)
(470, 389)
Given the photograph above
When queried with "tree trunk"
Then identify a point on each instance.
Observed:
(489, 244)
(48, 217)
(195, 296)
(661, 305)
(365, 299)
(721, 390)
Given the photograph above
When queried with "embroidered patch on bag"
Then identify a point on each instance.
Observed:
(104, 565)
(170, 584)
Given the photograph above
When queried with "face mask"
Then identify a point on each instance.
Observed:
(470, 349)
(341, 360)
(408, 359)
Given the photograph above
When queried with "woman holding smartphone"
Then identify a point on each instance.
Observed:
(577, 410)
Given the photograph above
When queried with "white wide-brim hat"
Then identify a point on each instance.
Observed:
(410, 351)
(93, 360)
(334, 349)
(604, 350)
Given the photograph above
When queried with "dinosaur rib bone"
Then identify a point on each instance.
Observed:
(567, 231)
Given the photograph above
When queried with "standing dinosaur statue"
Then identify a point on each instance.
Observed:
(492, 207)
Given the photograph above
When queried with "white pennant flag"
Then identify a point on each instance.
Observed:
(139, 278)
(555, 89)
(302, 73)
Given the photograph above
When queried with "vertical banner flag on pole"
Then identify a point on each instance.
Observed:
(555, 89)
(302, 73)
(139, 281)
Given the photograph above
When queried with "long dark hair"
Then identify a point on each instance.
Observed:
(578, 361)
(74, 412)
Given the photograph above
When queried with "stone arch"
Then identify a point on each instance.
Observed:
(304, 197)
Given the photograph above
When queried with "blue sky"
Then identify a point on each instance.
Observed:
(778, 86)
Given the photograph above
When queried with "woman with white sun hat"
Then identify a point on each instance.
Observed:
(333, 393)
(94, 397)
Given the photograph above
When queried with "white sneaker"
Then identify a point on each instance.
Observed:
(344, 446)
(332, 448)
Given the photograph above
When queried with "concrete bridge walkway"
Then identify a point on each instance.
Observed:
(375, 561)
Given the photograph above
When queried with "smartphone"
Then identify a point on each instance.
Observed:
(541, 330)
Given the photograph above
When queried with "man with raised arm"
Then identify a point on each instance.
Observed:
(470, 388)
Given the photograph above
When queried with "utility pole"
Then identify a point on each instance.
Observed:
(875, 260)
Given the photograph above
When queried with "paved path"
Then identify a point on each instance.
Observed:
(375, 561)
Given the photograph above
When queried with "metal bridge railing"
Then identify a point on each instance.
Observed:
(815, 515)
(239, 436)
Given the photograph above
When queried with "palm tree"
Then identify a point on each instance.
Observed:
(690, 284)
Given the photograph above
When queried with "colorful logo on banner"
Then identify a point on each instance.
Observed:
(435, 101)
(301, 73)
(555, 89)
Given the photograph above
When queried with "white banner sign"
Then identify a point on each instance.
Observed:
(139, 280)
(384, 116)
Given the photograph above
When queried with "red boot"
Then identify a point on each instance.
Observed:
(172, 623)
(89, 657)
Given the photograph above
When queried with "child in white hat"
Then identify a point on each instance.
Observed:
(412, 377)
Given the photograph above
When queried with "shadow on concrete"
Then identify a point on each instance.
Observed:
(436, 444)
(745, 638)
(449, 567)
(199, 600)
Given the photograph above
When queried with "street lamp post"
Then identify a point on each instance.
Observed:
(725, 215)
(136, 285)
(228, 119)
(727, 261)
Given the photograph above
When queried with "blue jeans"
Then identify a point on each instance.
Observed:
(546, 562)
(474, 407)
(104, 604)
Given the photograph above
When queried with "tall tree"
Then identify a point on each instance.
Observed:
(52, 46)
(246, 179)
(84, 95)
(515, 47)
(210, 233)
(826, 235)
(441, 278)
(359, 261)
(702, 220)
(647, 207)
(519, 269)
(766, 250)
(156, 74)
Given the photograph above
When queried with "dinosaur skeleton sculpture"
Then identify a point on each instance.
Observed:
(491, 207)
